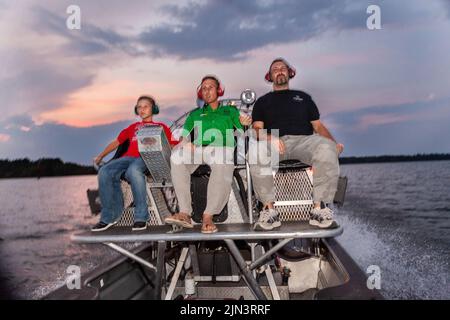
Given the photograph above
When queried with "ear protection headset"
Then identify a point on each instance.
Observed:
(291, 70)
(220, 89)
(155, 108)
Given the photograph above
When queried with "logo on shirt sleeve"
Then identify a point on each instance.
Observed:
(297, 98)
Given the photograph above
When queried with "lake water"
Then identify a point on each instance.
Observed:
(396, 216)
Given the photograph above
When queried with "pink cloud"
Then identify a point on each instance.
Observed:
(369, 120)
(4, 137)
(106, 102)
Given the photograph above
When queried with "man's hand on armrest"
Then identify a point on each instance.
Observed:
(98, 159)
(340, 148)
(320, 128)
(109, 148)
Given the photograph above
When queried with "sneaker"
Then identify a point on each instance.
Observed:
(102, 226)
(268, 219)
(322, 218)
(139, 225)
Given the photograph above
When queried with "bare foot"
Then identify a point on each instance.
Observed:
(180, 218)
(208, 225)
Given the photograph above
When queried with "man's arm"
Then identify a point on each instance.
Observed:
(237, 119)
(109, 148)
(262, 135)
(320, 128)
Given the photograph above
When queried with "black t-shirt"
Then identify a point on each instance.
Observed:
(290, 111)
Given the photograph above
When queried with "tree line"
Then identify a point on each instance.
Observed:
(396, 158)
(46, 167)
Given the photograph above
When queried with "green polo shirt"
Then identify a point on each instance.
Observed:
(216, 126)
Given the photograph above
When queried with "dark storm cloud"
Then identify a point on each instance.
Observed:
(90, 40)
(228, 30)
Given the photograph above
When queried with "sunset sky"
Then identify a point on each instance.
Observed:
(67, 93)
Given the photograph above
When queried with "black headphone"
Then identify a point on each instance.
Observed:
(155, 107)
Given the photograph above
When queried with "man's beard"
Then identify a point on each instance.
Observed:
(281, 80)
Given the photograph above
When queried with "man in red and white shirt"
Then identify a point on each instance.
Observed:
(130, 164)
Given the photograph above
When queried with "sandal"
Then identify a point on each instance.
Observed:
(209, 227)
(180, 219)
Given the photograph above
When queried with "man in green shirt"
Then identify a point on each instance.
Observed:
(212, 128)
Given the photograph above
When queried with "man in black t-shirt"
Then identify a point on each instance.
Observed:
(302, 136)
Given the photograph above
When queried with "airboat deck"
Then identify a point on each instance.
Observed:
(294, 184)
(236, 231)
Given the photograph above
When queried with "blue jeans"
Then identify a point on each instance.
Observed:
(111, 193)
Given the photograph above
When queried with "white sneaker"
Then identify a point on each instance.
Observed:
(268, 219)
(322, 218)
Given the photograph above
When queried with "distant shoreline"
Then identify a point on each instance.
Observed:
(46, 167)
(397, 158)
(55, 167)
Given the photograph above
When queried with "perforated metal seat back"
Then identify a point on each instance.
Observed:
(155, 151)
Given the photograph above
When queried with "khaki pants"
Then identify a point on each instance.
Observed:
(184, 162)
(314, 150)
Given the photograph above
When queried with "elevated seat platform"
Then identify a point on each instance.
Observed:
(228, 233)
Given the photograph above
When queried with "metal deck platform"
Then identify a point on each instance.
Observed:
(240, 231)
(227, 233)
